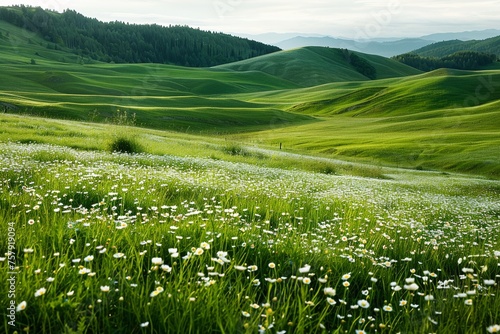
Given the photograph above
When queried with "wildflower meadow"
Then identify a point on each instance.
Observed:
(96, 242)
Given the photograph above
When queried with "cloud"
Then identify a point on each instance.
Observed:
(332, 17)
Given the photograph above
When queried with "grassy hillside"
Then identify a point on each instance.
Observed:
(160, 96)
(310, 66)
(443, 120)
(440, 89)
(58, 85)
(452, 140)
(19, 46)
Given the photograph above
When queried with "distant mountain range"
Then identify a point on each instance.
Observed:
(386, 47)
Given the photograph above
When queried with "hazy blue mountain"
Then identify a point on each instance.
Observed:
(386, 49)
(301, 41)
(273, 37)
(383, 46)
(463, 36)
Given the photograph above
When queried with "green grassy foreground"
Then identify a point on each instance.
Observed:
(147, 243)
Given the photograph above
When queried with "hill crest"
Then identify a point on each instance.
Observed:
(311, 66)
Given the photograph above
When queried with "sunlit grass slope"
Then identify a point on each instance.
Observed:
(436, 90)
(447, 141)
(99, 137)
(445, 120)
(310, 66)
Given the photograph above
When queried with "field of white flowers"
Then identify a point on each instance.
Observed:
(94, 242)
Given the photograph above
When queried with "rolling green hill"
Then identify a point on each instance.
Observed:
(58, 85)
(19, 46)
(437, 90)
(310, 66)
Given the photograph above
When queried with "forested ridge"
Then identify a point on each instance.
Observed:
(462, 60)
(121, 42)
(446, 48)
(463, 55)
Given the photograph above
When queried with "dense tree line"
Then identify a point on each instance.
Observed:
(359, 64)
(130, 43)
(443, 49)
(463, 60)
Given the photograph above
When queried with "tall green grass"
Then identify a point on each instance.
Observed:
(118, 243)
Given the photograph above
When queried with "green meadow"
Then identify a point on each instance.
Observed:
(221, 241)
(287, 193)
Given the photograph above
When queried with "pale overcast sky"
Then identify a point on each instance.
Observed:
(337, 18)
